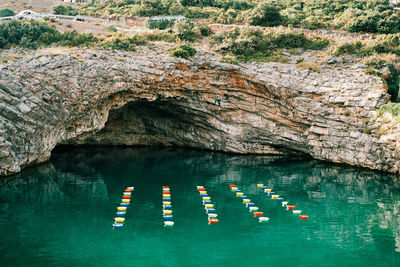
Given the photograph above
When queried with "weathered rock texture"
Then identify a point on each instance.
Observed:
(105, 97)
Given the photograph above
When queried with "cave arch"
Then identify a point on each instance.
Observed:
(174, 122)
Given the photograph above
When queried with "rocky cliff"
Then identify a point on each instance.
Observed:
(148, 98)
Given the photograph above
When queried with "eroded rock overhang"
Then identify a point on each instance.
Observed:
(145, 98)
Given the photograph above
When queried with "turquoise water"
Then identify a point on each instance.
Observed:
(61, 213)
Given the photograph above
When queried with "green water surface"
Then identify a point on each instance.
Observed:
(61, 213)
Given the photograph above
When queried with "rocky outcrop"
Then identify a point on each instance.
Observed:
(149, 98)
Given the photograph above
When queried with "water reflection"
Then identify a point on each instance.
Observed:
(349, 207)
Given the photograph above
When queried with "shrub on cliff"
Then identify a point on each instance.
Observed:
(183, 29)
(392, 108)
(161, 24)
(33, 34)
(242, 43)
(288, 39)
(120, 41)
(65, 10)
(249, 42)
(183, 51)
(264, 15)
(389, 43)
(205, 30)
(73, 38)
(6, 12)
(28, 34)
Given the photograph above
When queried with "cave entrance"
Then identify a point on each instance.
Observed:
(157, 123)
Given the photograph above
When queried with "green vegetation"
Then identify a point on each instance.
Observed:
(160, 24)
(183, 29)
(205, 30)
(121, 42)
(160, 36)
(6, 12)
(35, 34)
(254, 44)
(112, 28)
(389, 43)
(27, 34)
(65, 10)
(264, 15)
(183, 51)
(392, 108)
(375, 16)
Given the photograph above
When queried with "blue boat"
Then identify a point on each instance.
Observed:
(118, 225)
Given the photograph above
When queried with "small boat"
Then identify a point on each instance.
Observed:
(119, 219)
(213, 221)
(168, 223)
(263, 219)
(253, 209)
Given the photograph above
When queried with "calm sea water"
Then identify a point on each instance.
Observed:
(61, 213)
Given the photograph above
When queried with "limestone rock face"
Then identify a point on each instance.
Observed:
(149, 98)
